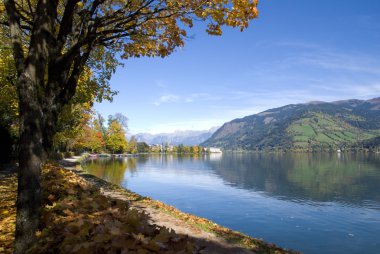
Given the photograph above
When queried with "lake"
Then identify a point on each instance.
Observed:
(314, 203)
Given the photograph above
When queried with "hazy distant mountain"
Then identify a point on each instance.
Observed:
(176, 138)
(311, 125)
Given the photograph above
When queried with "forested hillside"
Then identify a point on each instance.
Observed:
(311, 126)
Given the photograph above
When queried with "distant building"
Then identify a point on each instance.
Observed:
(214, 150)
(155, 148)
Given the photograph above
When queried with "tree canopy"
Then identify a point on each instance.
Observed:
(76, 33)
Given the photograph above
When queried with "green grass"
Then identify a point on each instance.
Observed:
(324, 122)
(301, 144)
(306, 130)
(344, 137)
(350, 135)
(319, 128)
(301, 138)
(321, 137)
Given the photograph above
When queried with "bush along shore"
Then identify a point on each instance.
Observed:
(84, 214)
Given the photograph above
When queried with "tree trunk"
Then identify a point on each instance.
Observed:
(31, 159)
(49, 129)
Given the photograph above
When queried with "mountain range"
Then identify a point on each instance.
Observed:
(311, 125)
(187, 138)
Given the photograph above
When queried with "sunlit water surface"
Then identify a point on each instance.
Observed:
(325, 203)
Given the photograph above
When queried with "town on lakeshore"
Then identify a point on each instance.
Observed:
(163, 149)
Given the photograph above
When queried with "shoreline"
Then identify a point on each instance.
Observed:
(228, 151)
(212, 237)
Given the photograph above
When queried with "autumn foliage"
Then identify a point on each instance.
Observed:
(8, 185)
(76, 218)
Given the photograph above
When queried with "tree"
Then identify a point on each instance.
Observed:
(53, 42)
(99, 123)
(116, 141)
(120, 118)
(71, 123)
(73, 116)
(133, 145)
(142, 147)
(90, 138)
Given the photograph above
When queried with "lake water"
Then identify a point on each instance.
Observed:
(324, 203)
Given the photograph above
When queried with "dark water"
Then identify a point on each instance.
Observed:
(326, 203)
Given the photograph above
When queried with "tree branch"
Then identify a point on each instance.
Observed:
(69, 89)
(20, 10)
(24, 27)
(66, 23)
(30, 8)
(16, 35)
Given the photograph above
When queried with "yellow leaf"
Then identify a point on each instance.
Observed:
(115, 231)
(163, 236)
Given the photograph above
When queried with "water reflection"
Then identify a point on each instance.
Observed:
(349, 178)
(111, 169)
(352, 178)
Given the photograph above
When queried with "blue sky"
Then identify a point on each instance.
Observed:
(297, 51)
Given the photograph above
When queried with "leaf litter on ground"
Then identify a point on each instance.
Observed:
(76, 218)
(8, 187)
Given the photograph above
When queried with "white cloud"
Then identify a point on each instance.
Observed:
(366, 91)
(328, 58)
(166, 99)
(338, 61)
